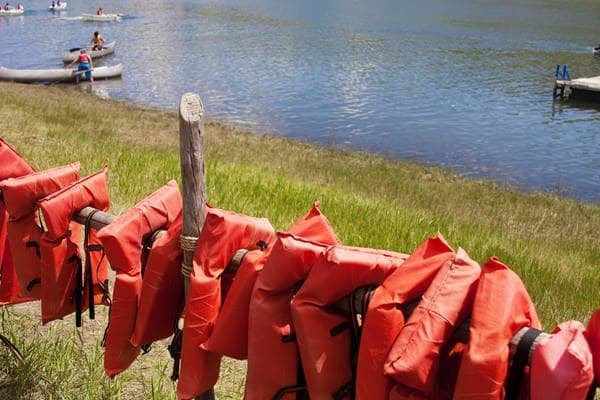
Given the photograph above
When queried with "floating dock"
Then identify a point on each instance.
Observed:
(582, 88)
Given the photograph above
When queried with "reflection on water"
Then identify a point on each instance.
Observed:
(465, 84)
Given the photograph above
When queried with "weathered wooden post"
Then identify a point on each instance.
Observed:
(191, 153)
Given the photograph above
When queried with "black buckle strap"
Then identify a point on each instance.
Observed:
(78, 288)
(34, 244)
(344, 391)
(519, 362)
(288, 338)
(298, 389)
(33, 282)
(175, 352)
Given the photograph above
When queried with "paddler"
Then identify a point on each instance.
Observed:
(97, 41)
(85, 66)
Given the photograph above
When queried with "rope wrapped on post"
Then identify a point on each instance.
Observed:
(187, 244)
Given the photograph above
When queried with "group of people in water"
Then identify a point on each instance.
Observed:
(86, 65)
(8, 7)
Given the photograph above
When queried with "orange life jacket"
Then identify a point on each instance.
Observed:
(562, 365)
(385, 318)
(12, 165)
(592, 335)
(162, 296)
(485, 361)
(273, 357)
(414, 358)
(67, 284)
(24, 231)
(324, 337)
(126, 243)
(233, 316)
(222, 235)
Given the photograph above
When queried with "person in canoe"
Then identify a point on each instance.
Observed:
(85, 66)
(8, 7)
(20, 6)
(97, 41)
(99, 11)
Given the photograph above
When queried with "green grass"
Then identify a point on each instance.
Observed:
(551, 242)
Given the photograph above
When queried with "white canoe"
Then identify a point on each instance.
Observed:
(56, 75)
(63, 6)
(11, 12)
(106, 50)
(100, 18)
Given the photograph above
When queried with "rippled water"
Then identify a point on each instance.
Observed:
(465, 83)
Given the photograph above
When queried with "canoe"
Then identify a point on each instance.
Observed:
(73, 55)
(56, 75)
(63, 6)
(11, 12)
(100, 18)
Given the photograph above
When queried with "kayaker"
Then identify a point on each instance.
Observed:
(85, 64)
(97, 41)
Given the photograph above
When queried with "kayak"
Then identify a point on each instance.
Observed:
(74, 53)
(12, 11)
(100, 18)
(56, 75)
(62, 6)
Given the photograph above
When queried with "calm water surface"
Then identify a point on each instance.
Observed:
(465, 84)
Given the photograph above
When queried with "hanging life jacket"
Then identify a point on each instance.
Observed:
(233, 316)
(414, 358)
(163, 296)
(592, 334)
(562, 365)
(67, 284)
(12, 165)
(126, 242)
(328, 347)
(24, 226)
(222, 235)
(386, 316)
(485, 361)
(274, 369)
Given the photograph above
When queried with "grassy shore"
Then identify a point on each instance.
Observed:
(551, 242)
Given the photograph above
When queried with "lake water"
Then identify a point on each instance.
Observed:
(465, 84)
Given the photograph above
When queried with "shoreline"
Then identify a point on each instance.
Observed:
(497, 182)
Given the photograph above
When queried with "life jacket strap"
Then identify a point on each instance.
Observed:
(300, 390)
(33, 282)
(520, 360)
(175, 352)
(346, 390)
(35, 245)
(78, 288)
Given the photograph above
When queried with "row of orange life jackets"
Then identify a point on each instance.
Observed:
(278, 309)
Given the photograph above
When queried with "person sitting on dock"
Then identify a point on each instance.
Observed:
(85, 66)
(99, 11)
(97, 41)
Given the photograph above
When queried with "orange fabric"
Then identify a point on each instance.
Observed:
(592, 334)
(485, 361)
(272, 362)
(59, 247)
(123, 243)
(561, 365)
(24, 231)
(233, 316)
(162, 295)
(414, 358)
(222, 235)
(385, 320)
(12, 165)
(326, 358)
